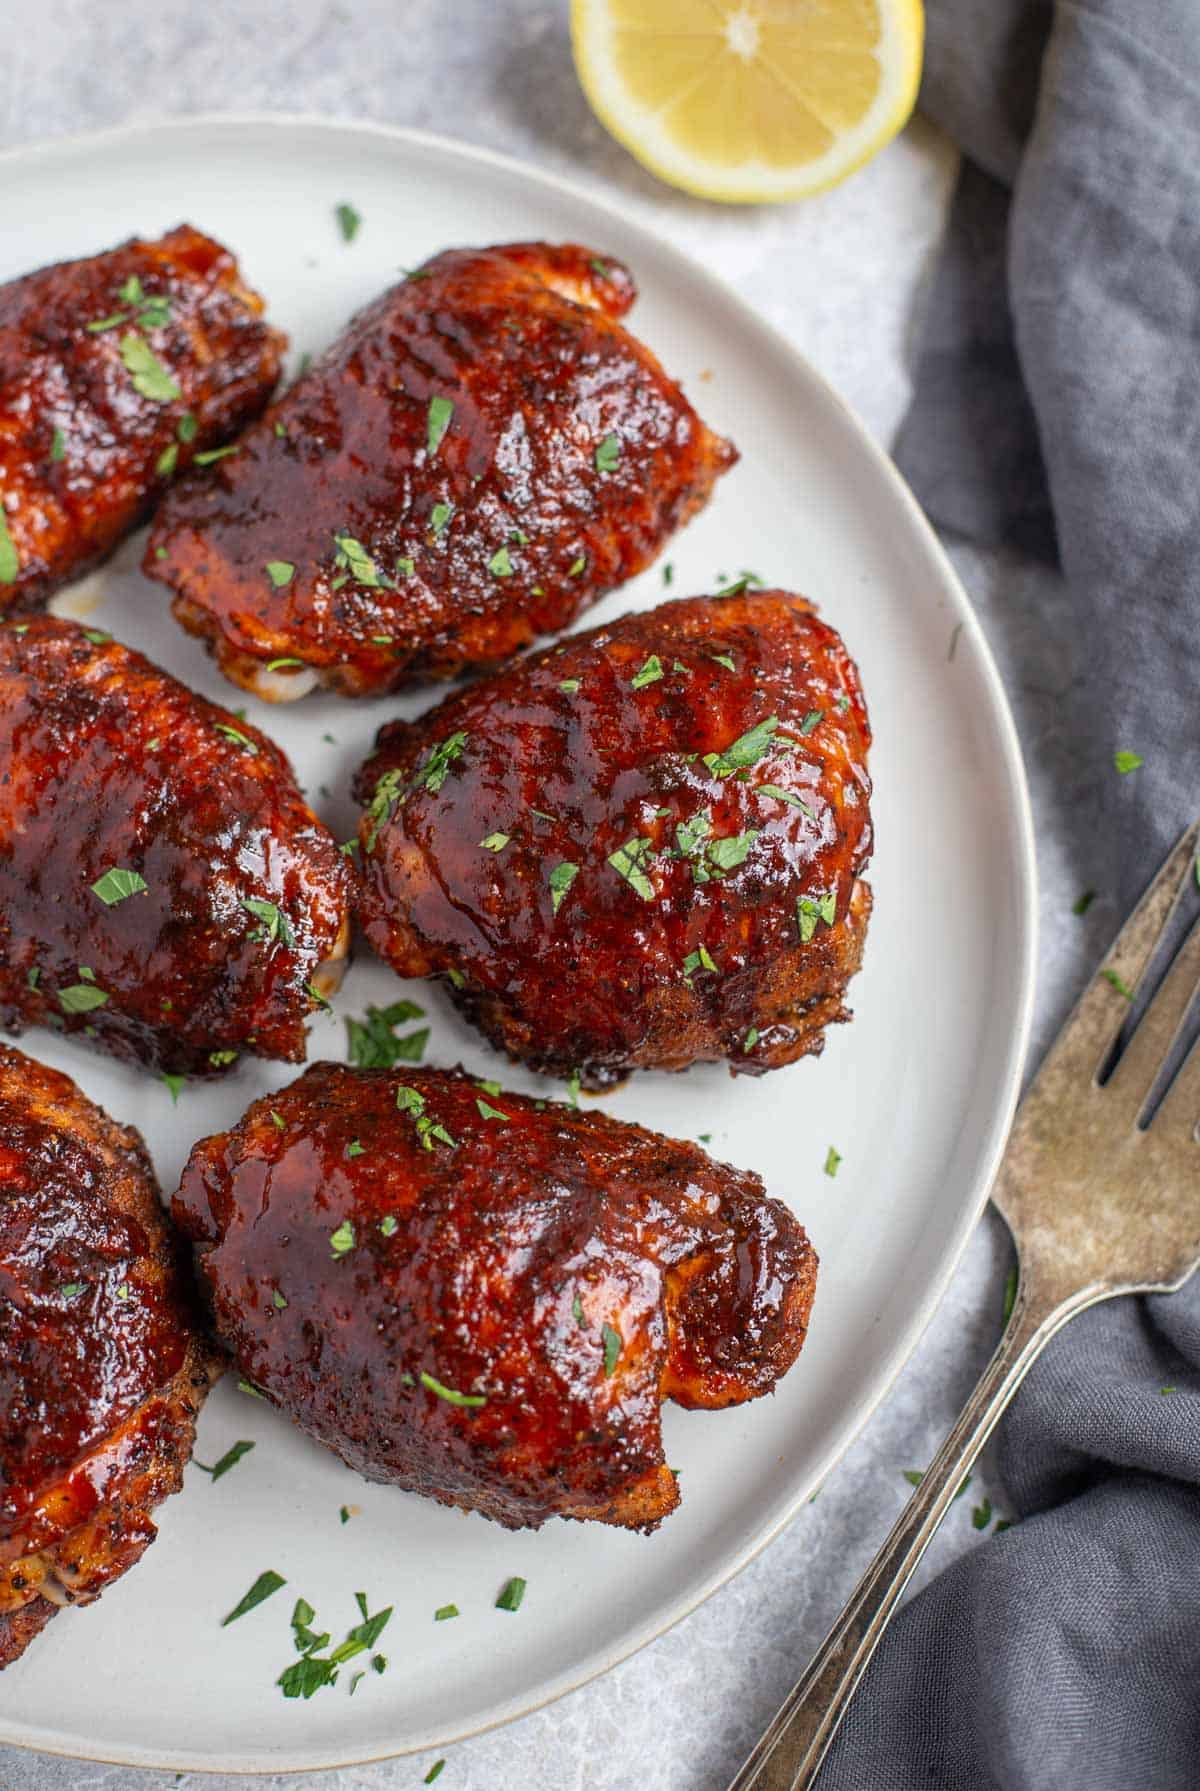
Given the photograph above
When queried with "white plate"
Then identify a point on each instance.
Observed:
(916, 1094)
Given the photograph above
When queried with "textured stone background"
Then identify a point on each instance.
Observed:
(843, 276)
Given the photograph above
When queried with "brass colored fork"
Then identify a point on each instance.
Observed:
(1099, 1203)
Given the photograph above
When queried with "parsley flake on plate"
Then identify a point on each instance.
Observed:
(174, 1084)
(372, 1041)
(1126, 762)
(500, 565)
(280, 573)
(833, 1159)
(613, 1344)
(275, 924)
(349, 221)
(511, 1594)
(264, 1586)
(229, 1460)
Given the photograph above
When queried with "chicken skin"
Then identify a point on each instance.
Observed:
(483, 1298)
(102, 1369)
(639, 849)
(115, 372)
(163, 885)
(482, 454)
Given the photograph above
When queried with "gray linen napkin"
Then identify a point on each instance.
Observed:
(1057, 409)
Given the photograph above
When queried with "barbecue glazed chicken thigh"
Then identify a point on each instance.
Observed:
(481, 455)
(639, 849)
(102, 1370)
(484, 1298)
(163, 885)
(115, 372)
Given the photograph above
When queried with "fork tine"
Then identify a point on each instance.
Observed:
(1090, 1033)
(1149, 1048)
(1179, 1114)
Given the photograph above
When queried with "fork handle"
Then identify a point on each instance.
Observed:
(790, 1753)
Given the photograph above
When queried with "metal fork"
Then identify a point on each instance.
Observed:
(1098, 1203)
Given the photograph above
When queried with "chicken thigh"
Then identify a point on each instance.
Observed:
(164, 887)
(115, 372)
(637, 850)
(482, 454)
(485, 1298)
(102, 1369)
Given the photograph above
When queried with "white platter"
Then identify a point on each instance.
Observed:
(916, 1094)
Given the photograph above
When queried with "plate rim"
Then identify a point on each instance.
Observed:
(1019, 810)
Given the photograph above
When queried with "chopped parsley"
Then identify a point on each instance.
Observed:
(746, 750)
(10, 563)
(58, 446)
(349, 221)
(116, 884)
(725, 659)
(355, 1149)
(229, 1460)
(630, 861)
(1118, 983)
(372, 1041)
(1126, 762)
(788, 796)
(812, 720)
(981, 1515)
(280, 573)
(1084, 902)
(511, 1595)
(444, 1613)
(174, 1085)
(561, 879)
(353, 555)
(500, 565)
(279, 665)
(391, 791)
(751, 1039)
(150, 378)
(220, 1059)
(81, 998)
(727, 853)
(211, 455)
(342, 1241)
(1010, 1294)
(435, 1772)
(608, 454)
(809, 912)
(569, 686)
(833, 1159)
(613, 1343)
(308, 1674)
(439, 516)
(650, 673)
(495, 842)
(577, 567)
(668, 572)
(235, 735)
(440, 412)
(487, 1111)
(71, 1288)
(409, 1100)
(263, 1587)
(697, 961)
(275, 924)
(389, 1225)
(451, 1394)
(278, 1300)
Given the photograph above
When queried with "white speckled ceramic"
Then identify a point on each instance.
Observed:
(916, 1094)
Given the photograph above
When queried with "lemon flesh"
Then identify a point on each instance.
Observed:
(750, 100)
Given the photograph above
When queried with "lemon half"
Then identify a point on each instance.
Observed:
(750, 100)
